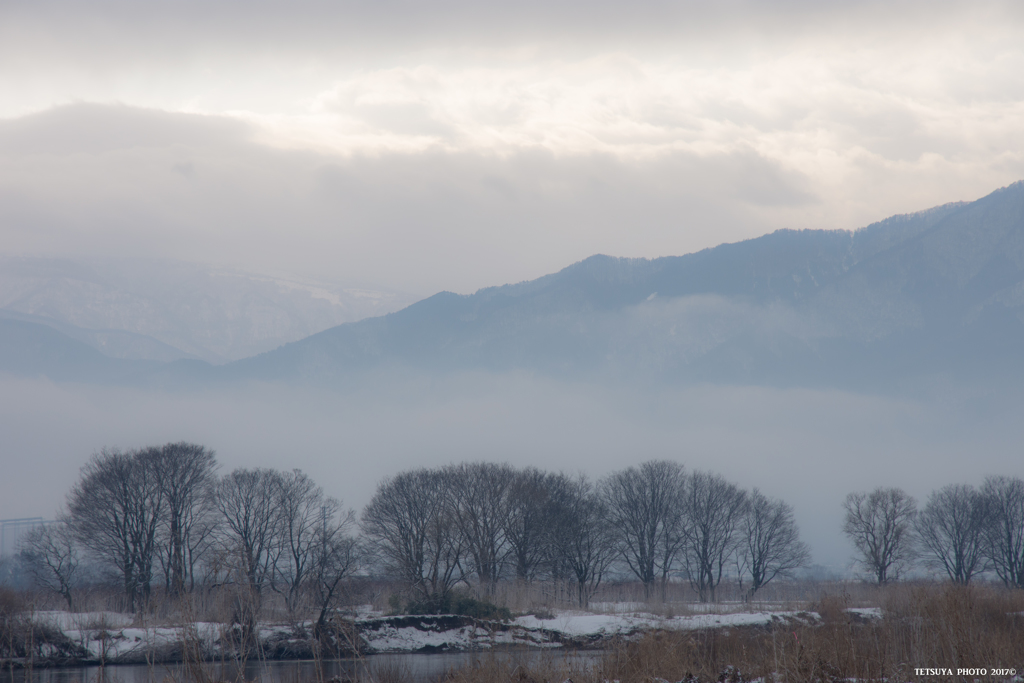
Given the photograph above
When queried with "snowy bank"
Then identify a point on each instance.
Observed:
(105, 637)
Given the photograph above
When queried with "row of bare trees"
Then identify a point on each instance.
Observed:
(699, 525)
(480, 522)
(961, 531)
(162, 514)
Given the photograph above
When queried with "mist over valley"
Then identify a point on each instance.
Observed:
(805, 363)
(468, 341)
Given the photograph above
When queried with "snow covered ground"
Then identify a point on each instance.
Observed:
(112, 637)
(588, 624)
(574, 628)
(115, 637)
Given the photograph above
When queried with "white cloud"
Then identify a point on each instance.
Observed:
(480, 143)
(420, 221)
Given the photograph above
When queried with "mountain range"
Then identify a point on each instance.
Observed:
(917, 297)
(167, 310)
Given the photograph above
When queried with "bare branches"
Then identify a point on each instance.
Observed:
(115, 510)
(481, 509)
(643, 508)
(248, 501)
(713, 509)
(770, 543)
(880, 524)
(336, 555)
(581, 539)
(1004, 532)
(479, 523)
(409, 521)
(303, 510)
(529, 520)
(185, 475)
(951, 528)
(52, 557)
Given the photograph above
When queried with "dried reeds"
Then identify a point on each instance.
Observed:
(928, 626)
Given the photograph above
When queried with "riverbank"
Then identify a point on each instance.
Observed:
(911, 627)
(80, 639)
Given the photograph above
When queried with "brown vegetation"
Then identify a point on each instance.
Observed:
(921, 626)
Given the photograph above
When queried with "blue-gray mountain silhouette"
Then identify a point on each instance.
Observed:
(31, 349)
(938, 293)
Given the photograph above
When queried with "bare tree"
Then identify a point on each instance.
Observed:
(248, 501)
(200, 527)
(643, 508)
(1004, 533)
(302, 507)
(481, 507)
(528, 520)
(409, 524)
(713, 511)
(185, 474)
(951, 528)
(51, 555)
(149, 515)
(771, 544)
(115, 511)
(336, 555)
(580, 537)
(881, 526)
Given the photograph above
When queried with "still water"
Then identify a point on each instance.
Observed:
(407, 668)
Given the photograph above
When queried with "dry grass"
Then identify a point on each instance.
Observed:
(922, 626)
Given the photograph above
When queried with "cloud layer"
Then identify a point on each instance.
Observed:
(113, 180)
(457, 145)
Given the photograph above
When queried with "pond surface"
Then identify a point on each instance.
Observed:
(385, 668)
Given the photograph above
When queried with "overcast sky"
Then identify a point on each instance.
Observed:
(456, 144)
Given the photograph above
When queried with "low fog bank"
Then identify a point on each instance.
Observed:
(806, 446)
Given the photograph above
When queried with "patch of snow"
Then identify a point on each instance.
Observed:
(578, 624)
(136, 643)
(392, 639)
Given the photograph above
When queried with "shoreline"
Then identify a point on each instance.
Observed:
(104, 639)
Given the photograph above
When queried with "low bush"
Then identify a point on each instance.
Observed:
(458, 603)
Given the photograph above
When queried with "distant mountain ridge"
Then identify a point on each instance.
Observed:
(29, 349)
(935, 293)
(167, 310)
(112, 343)
(794, 306)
